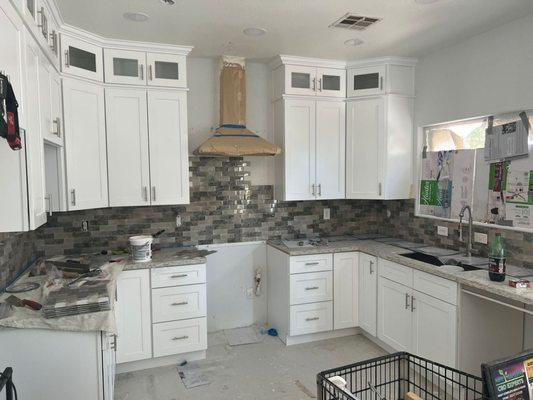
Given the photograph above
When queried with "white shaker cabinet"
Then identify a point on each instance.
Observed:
(379, 137)
(312, 135)
(394, 313)
(125, 66)
(36, 118)
(345, 290)
(368, 293)
(127, 147)
(166, 70)
(132, 312)
(169, 154)
(85, 144)
(81, 58)
(434, 328)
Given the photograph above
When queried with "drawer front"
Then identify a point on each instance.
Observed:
(311, 263)
(435, 286)
(311, 318)
(181, 302)
(180, 337)
(311, 287)
(396, 272)
(179, 275)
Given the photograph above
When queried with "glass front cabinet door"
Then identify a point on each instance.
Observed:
(166, 70)
(124, 66)
(331, 82)
(300, 80)
(366, 81)
(81, 58)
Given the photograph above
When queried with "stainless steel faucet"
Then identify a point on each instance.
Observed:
(470, 225)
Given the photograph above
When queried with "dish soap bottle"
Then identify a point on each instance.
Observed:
(497, 255)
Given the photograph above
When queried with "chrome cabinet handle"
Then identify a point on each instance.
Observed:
(412, 304)
(180, 337)
(57, 123)
(320, 84)
(141, 72)
(407, 301)
(153, 193)
(371, 265)
(67, 60)
(150, 75)
(44, 23)
(313, 190)
(379, 188)
(312, 263)
(73, 197)
(312, 319)
(53, 44)
(145, 193)
(49, 198)
(179, 276)
(319, 190)
(181, 303)
(312, 288)
(314, 84)
(380, 83)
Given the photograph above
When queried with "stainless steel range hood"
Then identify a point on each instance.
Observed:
(232, 138)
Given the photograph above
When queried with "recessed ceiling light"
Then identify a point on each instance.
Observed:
(353, 42)
(254, 31)
(135, 16)
(426, 1)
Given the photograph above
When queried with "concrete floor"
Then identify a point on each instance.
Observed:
(261, 371)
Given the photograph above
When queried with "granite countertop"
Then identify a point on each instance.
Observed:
(170, 257)
(477, 279)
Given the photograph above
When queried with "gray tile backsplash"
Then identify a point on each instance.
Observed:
(225, 207)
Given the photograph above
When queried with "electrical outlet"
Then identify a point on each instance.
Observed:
(442, 230)
(480, 238)
(178, 221)
(85, 225)
(327, 213)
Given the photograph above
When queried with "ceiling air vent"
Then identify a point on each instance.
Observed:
(355, 22)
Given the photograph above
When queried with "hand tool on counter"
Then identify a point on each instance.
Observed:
(15, 301)
(90, 274)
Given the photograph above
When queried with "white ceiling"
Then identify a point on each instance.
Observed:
(295, 27)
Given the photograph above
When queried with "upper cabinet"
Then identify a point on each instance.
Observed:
(378, 76)
(308, 77)
(81, 58)
(140, 68)
(125, 66)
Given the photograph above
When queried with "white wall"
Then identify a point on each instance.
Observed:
(489, 73)
(203, 108)
(230, 273)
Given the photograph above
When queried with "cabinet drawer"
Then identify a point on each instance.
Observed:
(179, 275)
(311, 318)
(396, 272)
(311, 287)
(435, 286)
(181, 302)
(311, 263)
(180, 336)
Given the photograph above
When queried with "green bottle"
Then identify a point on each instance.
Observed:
(497, 256)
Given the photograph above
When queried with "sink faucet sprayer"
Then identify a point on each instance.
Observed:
(470, 223)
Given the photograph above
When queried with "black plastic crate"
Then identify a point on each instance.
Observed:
(390, 377)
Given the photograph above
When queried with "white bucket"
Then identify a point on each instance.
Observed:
(141, 248)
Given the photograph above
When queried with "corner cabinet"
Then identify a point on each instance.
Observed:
(379, 147)
(85, 144)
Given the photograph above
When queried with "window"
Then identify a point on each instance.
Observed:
(460, 135)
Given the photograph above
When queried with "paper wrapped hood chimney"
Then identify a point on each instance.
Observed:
(232, 138)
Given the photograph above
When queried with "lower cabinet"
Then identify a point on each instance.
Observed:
(418, 314)
(132, 312)
(312, 294)
(345, 290)
(160, 312)
(368, 278)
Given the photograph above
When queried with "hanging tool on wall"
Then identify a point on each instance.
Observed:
(9, 120)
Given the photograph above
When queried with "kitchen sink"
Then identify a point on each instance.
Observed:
(433, 260)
